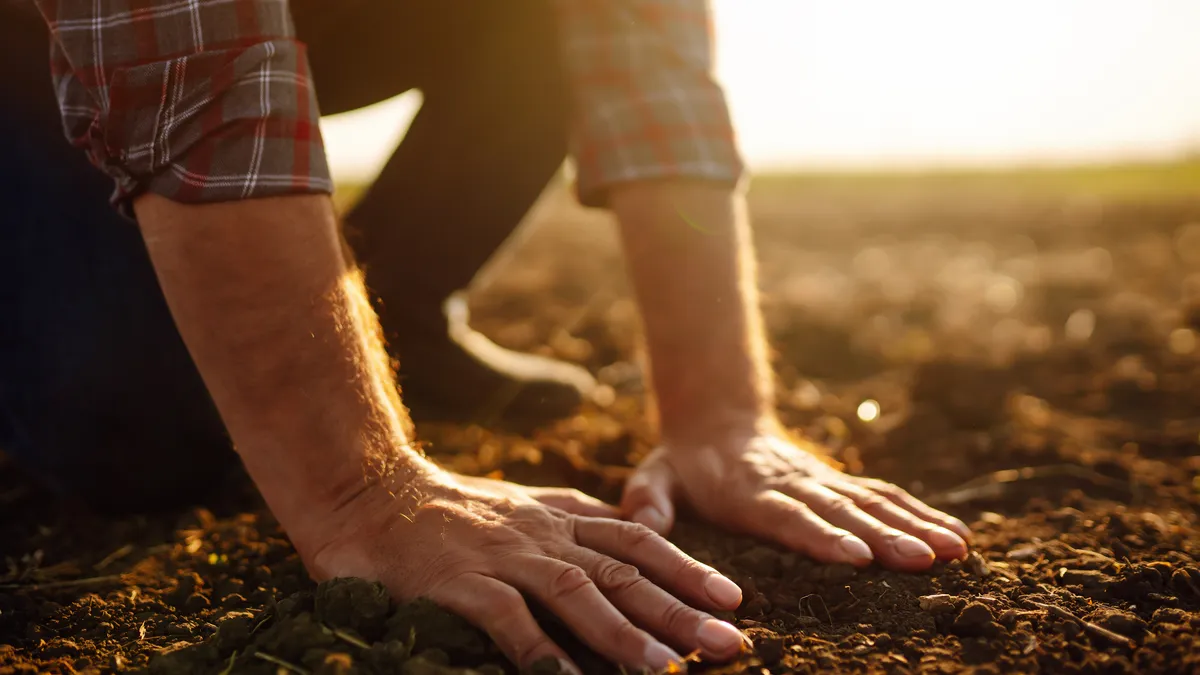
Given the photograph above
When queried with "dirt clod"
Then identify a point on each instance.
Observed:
(768, 645)
(434, 628)
(233, 632)
(759, 561)
(355, 604)
(976, 620)
(1118, 621)
(1088, 579)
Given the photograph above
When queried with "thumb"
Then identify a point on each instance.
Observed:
(648, 494)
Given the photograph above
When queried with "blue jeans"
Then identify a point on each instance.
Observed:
(97, 392)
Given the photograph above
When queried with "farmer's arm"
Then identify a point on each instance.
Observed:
(692, 262)
(206, 119)
(279, 328)
(656, 145)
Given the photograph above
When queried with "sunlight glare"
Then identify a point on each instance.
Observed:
(922, 84)
(868, 410)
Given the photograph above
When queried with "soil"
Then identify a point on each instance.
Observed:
(1035, 366)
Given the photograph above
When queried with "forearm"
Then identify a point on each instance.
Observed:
(691, 259)
(282, 334)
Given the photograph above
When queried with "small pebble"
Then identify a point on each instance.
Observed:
(937, 604)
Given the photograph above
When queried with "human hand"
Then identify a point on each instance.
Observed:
(762, 484)
(475, 545)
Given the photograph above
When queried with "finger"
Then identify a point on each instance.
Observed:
(777, 517)
(660, 561)
(649, 606)
(570, 593)
(945, 544)
(647, 496)
(573, 501)
(895, 549)
(501, 612)
(903, 499)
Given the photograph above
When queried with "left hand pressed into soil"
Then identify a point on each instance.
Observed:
(768, 486)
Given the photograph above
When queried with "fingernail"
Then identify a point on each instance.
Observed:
(961, 528)
(723, 591)
(660, 657)
(652, 518)
(946, 543)
(565, 666)
(911, 547)
(856, 550)
(719, 638)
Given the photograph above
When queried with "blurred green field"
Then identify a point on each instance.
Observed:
(1116, 182)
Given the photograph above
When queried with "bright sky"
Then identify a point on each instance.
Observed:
(918, 83)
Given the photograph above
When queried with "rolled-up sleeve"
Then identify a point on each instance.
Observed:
(195, 100)
(647, 103)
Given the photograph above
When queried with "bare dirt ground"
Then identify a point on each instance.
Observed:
(1033, 359)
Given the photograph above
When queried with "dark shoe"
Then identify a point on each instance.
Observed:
(460, 375)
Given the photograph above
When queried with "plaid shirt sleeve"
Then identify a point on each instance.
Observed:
(195, 100)
(647, 103)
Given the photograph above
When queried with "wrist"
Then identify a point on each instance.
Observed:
(716, 424)
(690, 254)
(734, 395)
(361, 491)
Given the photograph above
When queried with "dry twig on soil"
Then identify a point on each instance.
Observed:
(67, 583)
(280, 662)
(994, 485)
(1093, 628)
(114, 556)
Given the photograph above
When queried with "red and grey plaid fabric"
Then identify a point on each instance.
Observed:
(196, 100)
(211, 100)
(647, 103)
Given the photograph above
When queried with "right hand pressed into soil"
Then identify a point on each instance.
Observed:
(475, 546)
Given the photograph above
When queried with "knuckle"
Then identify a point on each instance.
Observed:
(678, 618)
(501, 599)
(888, 490)
(568, 582)
(687, 567)
(802, 513)
(839, 504)
(870, 501)
(632, 535)
(812, 541)
(798, 519)
(502, 540)
(537, 516)
(614, 575)
(832, 537)
(524, 651)
(625, 633)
